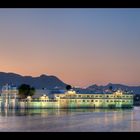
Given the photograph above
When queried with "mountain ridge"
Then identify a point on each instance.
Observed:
(134, 89)
(42, 81)
(52, 82)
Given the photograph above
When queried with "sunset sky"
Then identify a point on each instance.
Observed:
(79, 46)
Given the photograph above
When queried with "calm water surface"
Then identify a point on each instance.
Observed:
(72, 120)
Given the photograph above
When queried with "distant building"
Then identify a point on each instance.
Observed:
(9, 96)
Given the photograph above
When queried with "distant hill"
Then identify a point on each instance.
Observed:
(52, 82)
(135, 89)
(43, 81)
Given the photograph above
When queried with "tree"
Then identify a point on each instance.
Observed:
(25, 90)
(110, 88)
(68, 87)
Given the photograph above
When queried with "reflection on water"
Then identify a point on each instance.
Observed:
(46, 112)
(70, 120)
(26, 112)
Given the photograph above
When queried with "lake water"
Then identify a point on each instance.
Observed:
(71, 120)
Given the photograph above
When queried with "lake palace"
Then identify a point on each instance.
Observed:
(68, 99)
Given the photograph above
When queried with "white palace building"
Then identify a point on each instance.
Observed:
(68, 99)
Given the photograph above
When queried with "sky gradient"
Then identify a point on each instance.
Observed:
(79, 46)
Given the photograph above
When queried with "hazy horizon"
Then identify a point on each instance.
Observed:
(69, 83)
(82, 46)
